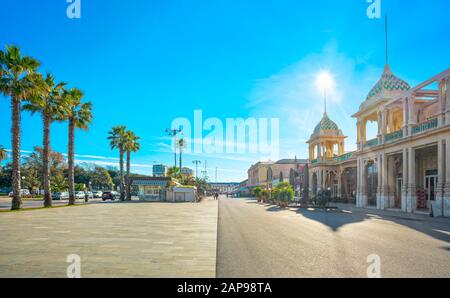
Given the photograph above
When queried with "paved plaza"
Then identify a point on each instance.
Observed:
(113, 240)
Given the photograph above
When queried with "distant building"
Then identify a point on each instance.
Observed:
(162, 189)
(187, 171)
(224, 187)
(269, 174)
(243, 190)
(160, 170)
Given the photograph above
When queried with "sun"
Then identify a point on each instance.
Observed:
(324, 81)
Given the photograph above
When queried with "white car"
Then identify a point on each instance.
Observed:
(98, 194)
(80, 195)
(61, 196)
(23, 192)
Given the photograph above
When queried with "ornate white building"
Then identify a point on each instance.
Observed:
(407, 166)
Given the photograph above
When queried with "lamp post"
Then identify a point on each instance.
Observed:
(173, 133)
(196, 162)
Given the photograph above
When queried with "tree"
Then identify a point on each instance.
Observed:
(35, 160)
(131, 145)
(59, 183)
(32, 179)
(283, 193)
(17, 75)
(49, 103)
(101, 179)
(3, 156)
(181, 145)
(117, 140)
(174, 172)
(79, 115)
(257, 191)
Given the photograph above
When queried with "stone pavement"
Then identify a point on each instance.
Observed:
(113, 240)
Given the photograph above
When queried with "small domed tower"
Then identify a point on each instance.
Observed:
(327, 141)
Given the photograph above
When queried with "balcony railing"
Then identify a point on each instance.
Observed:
(344, 157)
(371, 143)
(430, 124)
(393, 136)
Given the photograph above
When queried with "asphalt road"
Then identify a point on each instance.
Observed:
(257, 240)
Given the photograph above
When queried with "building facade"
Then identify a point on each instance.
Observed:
(406, 167)
(269, 174)
(224, 187)
(160, 170)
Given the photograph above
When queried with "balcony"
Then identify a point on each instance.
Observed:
(424, 126)
(371, 143)
(391, 137)
(344, 157)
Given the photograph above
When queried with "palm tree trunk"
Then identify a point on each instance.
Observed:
(128, 186)
(16, 178)
(181, 158)
(122, 182)
(46, 161)
(71, 162)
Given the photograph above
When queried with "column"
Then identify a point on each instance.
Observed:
(405, 179)
(384, 182)
(380, 127)
(411, 199)
(358, 192)
(438, 204)
(378, 194)
(405, 117)
(390, 127)
(411, 115)
(339, 177)
(358, 131)
(447, 102)
(363, 184)
(446, 207)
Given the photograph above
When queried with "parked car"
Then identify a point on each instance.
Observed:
(23, 192)
(61, 195)
(80, 195)
(98, 194)
(110, 195)
(89, 195)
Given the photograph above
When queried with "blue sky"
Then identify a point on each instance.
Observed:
(144, 63)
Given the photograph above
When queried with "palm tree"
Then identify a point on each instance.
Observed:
(131, 145)
(79, 115)
(117, 140)
(181, 145)
(17, 73)
(50, 103)
(3, 156)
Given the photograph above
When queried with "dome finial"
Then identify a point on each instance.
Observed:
(387, 44)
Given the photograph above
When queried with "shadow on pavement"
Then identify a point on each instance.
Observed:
(336, 219)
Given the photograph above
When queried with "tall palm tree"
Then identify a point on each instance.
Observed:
(117, 140)
(181, 145)
(3, 156)
(131, 145)
(79, 115)
(17, 73)
(50, 103)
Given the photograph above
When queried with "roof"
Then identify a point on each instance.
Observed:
(388, 87)
(151, 181)
(327, 128)
(291, 161)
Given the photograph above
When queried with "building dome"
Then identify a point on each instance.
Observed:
(326, 128)
(388, 87)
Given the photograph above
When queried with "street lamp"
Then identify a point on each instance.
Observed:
(173, 133)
